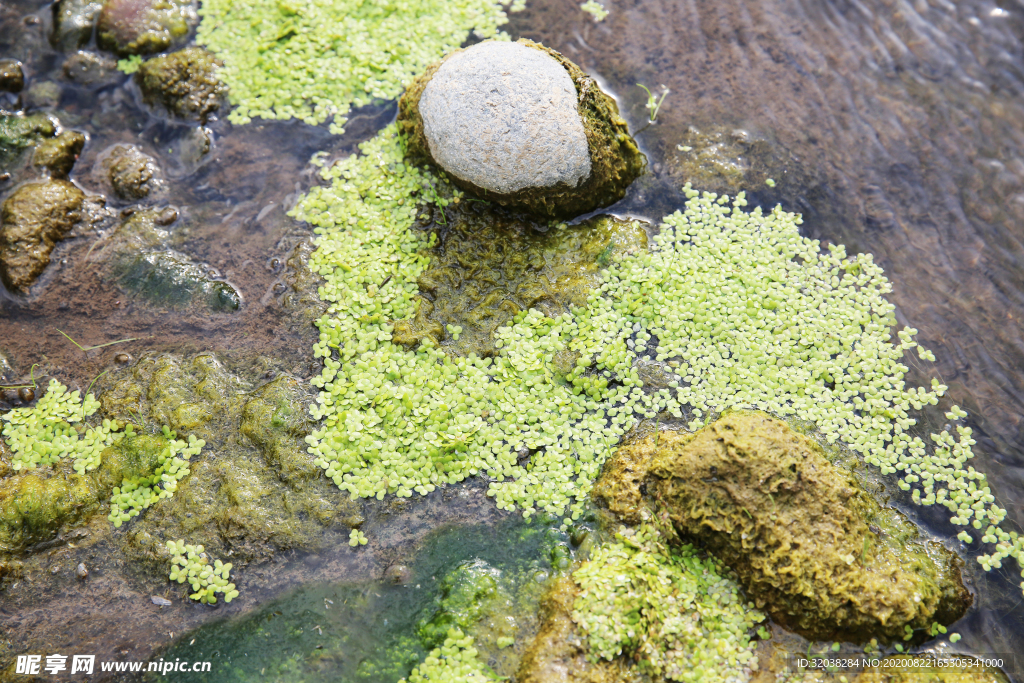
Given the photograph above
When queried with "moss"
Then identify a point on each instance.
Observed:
(615, 159)
(34, 506)
(144, 27)
(33, 219)
(184, 82)
(468, 593)
(807, 542)
(58, 155)
(256, 491)
(488, 266)
(141, 262)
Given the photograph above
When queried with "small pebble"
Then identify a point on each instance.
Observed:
(123, 358)
(157, 600)
(167, 216)
(398, 574)
(26, 394)
(81, 571)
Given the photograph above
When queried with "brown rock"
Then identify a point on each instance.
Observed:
(32, 221)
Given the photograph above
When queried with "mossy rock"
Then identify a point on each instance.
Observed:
(144, 27)
(806, 541)
(19, 133)
(35, 505)
(254, 491)
(73, 22)
(615, 159)
(58, 155)
(488, 266)
(33, 219)
(468, 594)
(184, 82)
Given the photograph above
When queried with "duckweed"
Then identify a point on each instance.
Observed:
(673, 611)
(136, 493)
(735, 308)
(594, 9)
(313, 60)
(189, 563)
(357, 538)
(456, 661)
(44, 434)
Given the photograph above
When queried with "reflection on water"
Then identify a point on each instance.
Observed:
(895, 126)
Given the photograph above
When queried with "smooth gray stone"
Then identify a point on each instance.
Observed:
(504, 117)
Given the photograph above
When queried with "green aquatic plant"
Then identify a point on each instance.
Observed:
(129, 65)
(594, 9)
(357, 538)
(672, 610)
(43, 434)
(456, 661)
(168, 465)
(190, 564)
(314, 60)
(97, 346)
(653, 101)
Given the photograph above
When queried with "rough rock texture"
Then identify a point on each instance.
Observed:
(91, 69)
(19, 132)
(144, 27)
(558, 654)
(141, 261)
(132, 173)
(73, 21)
(33, 219)
(503, 116)
(806, 541)
(58, 155)
(185, 82)
(12, 78)
(504, 123)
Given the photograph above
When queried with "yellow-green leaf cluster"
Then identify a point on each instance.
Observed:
(190, 564)
(457, 661)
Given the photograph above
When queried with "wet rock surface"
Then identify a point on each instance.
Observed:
(91, 69)
(73, 23)
(12, 78)
(807, 542)
(144, 27)
(140, 259)
(32, 221)
(19, 133)
(184, 82)
(521, 125)
(132, 174)
(56, 156)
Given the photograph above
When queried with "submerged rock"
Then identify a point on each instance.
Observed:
(141, 262)
(519, 124)
(12, 78)
(91, 69)
(132, 173)
(33, 219)
(806, 541)
(144, 27)
(73, 21)
(18, 133)
(58, 155)
(184, 82)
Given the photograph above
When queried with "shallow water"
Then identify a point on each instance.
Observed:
(896, 128)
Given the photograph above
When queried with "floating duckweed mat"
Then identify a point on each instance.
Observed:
(676, 613)
(45, 433)
(316, 59)
(735, 308)
(456, 661)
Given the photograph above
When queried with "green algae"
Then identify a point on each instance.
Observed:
(143, 27)
(615, 159)
(314, 60)
(257, 492)
(489, 266)
(34, 507)
(807, 542)
(58, 155)
(19, 133)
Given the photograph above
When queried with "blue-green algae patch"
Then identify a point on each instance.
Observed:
(313, 60)
(463, 578)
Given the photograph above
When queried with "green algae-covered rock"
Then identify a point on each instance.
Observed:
(144, 27)
(132, 174)
(514, 138)
(255, 490)
(33, 219)
(19, 133)
(184, 82)
(34, 506)
(808, 543)
(58, 155)
(468, 594)
(141, 261)
(488, 267)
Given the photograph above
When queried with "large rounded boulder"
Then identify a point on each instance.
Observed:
(521, 125)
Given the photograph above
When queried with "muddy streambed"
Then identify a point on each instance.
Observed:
(894, 128)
